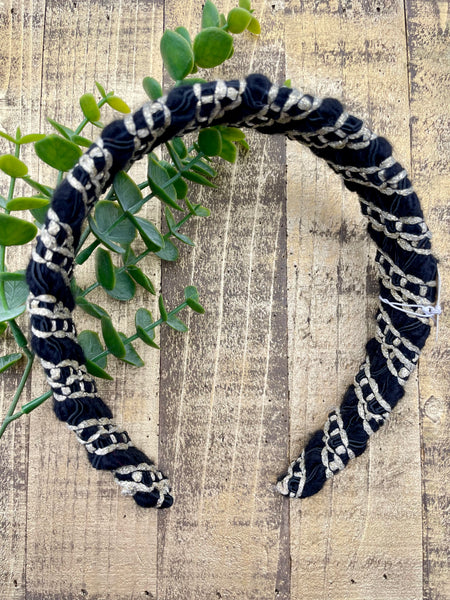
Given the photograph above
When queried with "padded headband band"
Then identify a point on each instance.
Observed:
(407, 270)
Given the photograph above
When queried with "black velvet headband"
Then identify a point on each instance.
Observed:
(407, 271)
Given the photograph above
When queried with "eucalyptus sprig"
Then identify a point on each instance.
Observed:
(116, 223)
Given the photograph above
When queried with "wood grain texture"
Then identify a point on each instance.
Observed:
(429, 55)
(286, 272)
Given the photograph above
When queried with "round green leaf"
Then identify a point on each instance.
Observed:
(210, 141)
(97, 371)
(125, 287)
(141, 278)
(157, 179)
(126, 191)
(89, 107)
(13, 166)
(131, 356)
(212, 47)
(210, 15)
(9, 360)
(104, 269)
(152, 88)
(254, 26)
(176, 324)
(169, 252)
(185, 33)
(151, 236)
(101, 89)
(112, 338)
(245, 4)
(106, 214)
(238, 19)
(118, 104)
(27, 202)
(181, 187)
(143, 319)
(58, 152)
(90, 308)
(14, 231)
(92, 346)
(177, 54)
(31, 138)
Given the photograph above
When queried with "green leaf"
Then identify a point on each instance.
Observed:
(11, 313)
(191, 297)
(92, 346)
(181, 187)
(151, 236)
(31, 138)
(125, 287)
(58, 152)
(104, 269)
(112, 338)
(229, 151)
(103, 237)
(7, 137)
(157, 179)
(170, 220)
(101, 89)
(197, 209)
(106, 215)
(152, 88)
(238, 19)
(62, 129)
(233, 134)
(3, 328)
(212, 47)
(90, 308)
(131, 356)
(141, 278)
(245, 4)
(177, 54)
(210, 141)
(81, 141)
(190, 81)
(89, 107)
(14, 231)
(185, 33)
(176, 323)
(86, 252)
(126, 191)
(43, 189)
(210, 15)
(202, 167)
(162, 308)
(169, 252)
(16, 292)
(27, 202)
(40, 214)
(97, 371)
(118, 104)
(180, 147)
(9, 360)
(13, 166)
(13, 276)
(143, 319)
(254, 26)
(196, 178)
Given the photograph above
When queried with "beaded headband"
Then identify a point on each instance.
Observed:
(407, 271)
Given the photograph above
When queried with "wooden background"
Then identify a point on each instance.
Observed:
(285, 270)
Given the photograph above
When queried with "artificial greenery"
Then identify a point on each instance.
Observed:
(115, 224)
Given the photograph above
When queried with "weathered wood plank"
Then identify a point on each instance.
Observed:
(21, 35)
(359, 535)
(428, 29)
(83, 539)
(224, 385)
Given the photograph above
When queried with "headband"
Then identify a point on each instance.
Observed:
(407, 271)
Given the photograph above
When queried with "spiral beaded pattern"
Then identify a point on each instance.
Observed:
(406, 266)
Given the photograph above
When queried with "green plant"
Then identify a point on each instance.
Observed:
(116, 224)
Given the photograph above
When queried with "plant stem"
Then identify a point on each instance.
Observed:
(166, 236)
(10, 416)
(135, 336)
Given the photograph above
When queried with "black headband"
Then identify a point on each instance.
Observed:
(407, 270)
